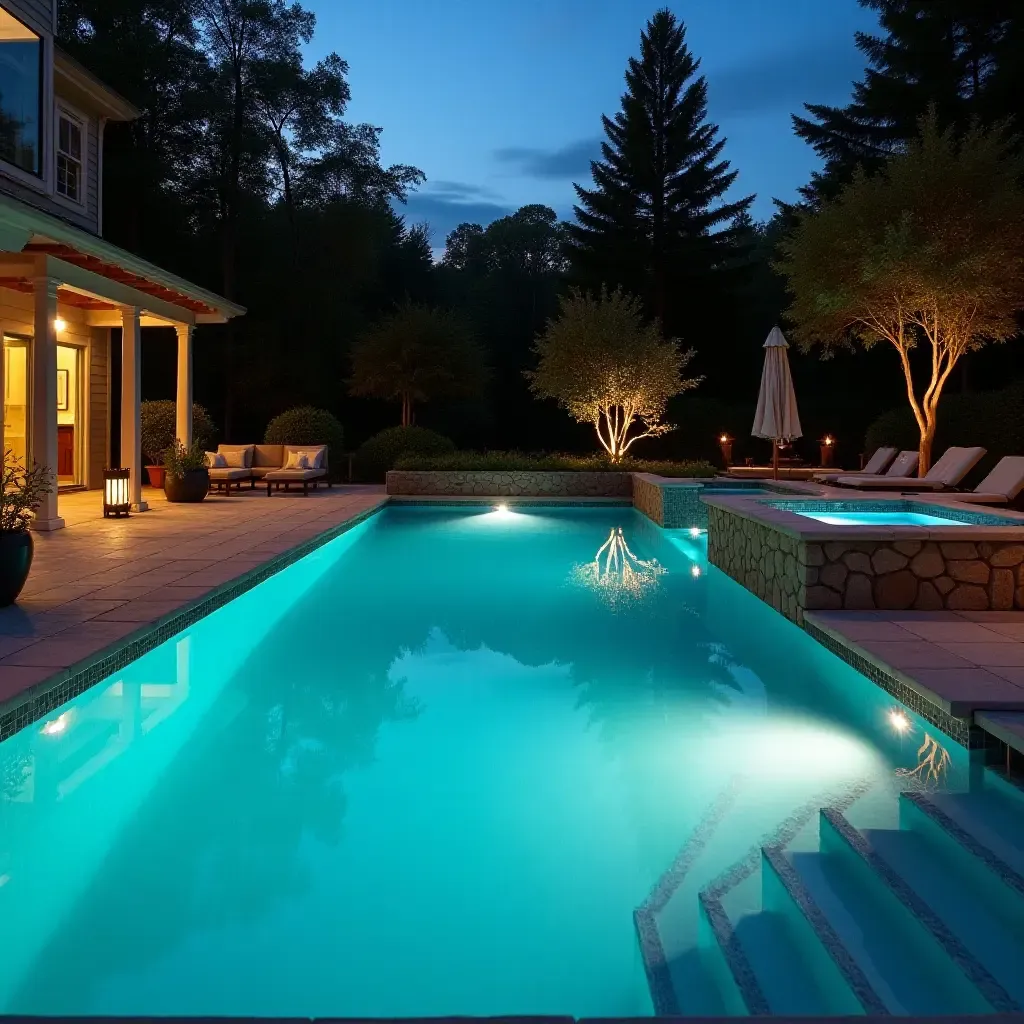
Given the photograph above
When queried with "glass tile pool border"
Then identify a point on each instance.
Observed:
(59, 689)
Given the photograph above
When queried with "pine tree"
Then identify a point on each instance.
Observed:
(655, 223)
(964, 58)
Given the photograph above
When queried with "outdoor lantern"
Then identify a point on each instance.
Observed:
(117, 495)
(828, 450)
(725, 443)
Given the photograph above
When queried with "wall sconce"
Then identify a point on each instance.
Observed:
(725, 444)
(117, 495)
(827, 446)
(59, 325)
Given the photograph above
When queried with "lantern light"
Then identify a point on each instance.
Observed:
(117, 495)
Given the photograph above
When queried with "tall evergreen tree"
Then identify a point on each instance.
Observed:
(655, 222)
(964, 58)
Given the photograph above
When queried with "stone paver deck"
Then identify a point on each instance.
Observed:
(99, 581)
(964, 662)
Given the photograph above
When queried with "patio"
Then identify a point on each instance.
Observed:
(99, 581)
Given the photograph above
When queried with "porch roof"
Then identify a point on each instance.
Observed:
(30, 232)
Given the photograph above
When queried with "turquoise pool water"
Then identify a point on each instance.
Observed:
(435, 768)
(881, 519)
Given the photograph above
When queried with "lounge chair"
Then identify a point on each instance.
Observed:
(954, 465)
(1000, 487)
(878, 463)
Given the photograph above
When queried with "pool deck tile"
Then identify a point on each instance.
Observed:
(964, 662)
(100, 581)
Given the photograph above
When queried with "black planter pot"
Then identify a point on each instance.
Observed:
(193, 486)
(15, 561)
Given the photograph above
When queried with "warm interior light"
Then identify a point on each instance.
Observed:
(59, 325)
(898, 720)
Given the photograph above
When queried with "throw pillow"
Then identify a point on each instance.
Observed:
(315, 457)
(297, 460)
(237, 458)
(214, 460)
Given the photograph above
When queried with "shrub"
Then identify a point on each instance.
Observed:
(159, 429)
(513, 461)
(307, 425)
(380, 453)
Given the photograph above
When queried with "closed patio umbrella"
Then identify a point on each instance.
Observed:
(777, 418)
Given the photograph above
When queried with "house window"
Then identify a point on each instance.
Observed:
(21, 78)
(69, 156)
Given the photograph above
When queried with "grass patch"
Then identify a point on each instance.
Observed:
(513, 461)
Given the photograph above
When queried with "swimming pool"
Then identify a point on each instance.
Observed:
(450, 763)
(900, 512)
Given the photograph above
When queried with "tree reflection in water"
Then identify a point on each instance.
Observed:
(933, 763)
(617, 575)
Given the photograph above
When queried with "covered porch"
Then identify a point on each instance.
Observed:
(62, 291)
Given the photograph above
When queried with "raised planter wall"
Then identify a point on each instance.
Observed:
(517, 483)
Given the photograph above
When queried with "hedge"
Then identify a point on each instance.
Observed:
(380, 453)
(516, 461)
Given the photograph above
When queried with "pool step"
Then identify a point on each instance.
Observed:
(911, 966)
(991, 818)
(985, 915)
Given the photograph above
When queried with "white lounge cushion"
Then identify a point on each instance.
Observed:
(1006, 479)
(876, 464)
(236, 456)
(904, 464)
(236, 473)
(947, 472)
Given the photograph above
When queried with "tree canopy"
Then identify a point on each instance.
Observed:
(608, 366)
(929, 251)
(417, 354)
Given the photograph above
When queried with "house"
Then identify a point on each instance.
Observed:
(62, 287)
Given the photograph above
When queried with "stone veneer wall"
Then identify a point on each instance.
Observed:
(517, 483)
(793, 575)
(768, 562)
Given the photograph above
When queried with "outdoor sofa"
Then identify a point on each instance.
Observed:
(277, 465)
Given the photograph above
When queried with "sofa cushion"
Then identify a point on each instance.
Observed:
(237, 473)
(238, 456)
(268, 455)
(214, 460)
(317, 453)
(298, 460)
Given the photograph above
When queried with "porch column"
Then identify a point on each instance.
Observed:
(131, 391)
(43, 442)
(183, 398)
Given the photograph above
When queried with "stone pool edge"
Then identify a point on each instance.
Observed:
(41, 698)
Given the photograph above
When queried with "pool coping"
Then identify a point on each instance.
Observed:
(42, 697)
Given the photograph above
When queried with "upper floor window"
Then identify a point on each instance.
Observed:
(69, 156)
(21, 78)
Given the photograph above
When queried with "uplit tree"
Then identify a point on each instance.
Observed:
(927, 253)
(417, 354)
(607, 366)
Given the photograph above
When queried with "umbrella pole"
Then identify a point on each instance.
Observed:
(775, 460)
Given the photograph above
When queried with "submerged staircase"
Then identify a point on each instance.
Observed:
(923, 916)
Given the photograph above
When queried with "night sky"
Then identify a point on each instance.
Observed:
(499, 101)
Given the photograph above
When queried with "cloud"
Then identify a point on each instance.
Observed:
(444, 209)
(565, 163)
(816, 71)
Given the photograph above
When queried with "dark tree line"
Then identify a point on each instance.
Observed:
(244, 175)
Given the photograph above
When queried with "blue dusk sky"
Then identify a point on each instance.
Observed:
(499, 102)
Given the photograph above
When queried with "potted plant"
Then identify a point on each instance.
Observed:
(159, 423)
(187, 478)
(23, 492)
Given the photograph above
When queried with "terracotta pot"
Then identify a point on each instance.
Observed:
(193, 486)
(16, 549)
(156, 475)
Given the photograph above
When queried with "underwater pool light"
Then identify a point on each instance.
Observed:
(898, 720)
(695, 531)
(56, 725)
(501, 508)
(695, 571)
